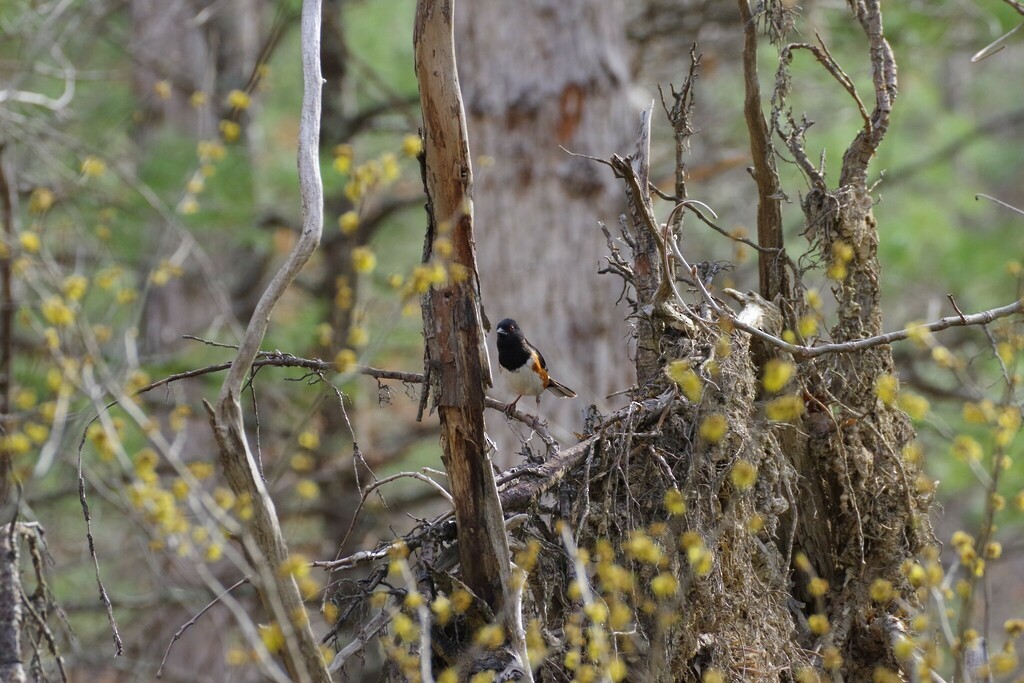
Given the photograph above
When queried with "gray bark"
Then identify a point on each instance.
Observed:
(536, 76)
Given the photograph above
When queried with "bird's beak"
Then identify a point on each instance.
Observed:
(502, 332)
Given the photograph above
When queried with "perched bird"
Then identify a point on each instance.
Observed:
(524, 366)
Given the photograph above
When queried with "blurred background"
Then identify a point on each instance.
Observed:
(149, 152)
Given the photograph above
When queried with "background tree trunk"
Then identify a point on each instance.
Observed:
(536, 76)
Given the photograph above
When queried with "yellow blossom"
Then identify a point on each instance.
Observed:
(978, 413)
(40, 200)
(197, 99)
(30, 242)
(1003, 662)
(836, 271)
(913, 453)
(56, 312)
(818, 623)
(93, 167)
(461, 600)
(363, 260)
(302, 462)
(887, 388)
(412, 145)
(903, 648)
(664, 585)
(743, 474)
(915, 405)
(642, 547)
(918, 333)
(881, 590)
(229, 130)
(358, 336)
(966, 448)
(238, 99)
(162, 89)
(491, 636)
(17, 443)
(307, 489)
(808, 326)
(785, 408)
(442, 609)
(700, 559)
(679, 371)
(236, 656)
(348, 222)
(713, 428)
(675, 503)
(389, 168)
(342, 164)
(776, 375)
(345, 361)
(74, 287)
(24, 399)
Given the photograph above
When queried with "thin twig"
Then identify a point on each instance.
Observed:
(805, 352)
(193, 620)
(825, 57)
(1000, 202)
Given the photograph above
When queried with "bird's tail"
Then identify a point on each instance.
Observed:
(560, 389)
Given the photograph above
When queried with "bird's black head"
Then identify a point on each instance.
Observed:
(508, 326)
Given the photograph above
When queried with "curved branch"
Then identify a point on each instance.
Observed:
(263, 540)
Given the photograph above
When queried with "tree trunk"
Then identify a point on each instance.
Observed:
(536, 76)
(11, 668)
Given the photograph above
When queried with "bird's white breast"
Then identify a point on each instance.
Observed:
(524, 381)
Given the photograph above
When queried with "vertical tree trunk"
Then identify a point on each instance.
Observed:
(11, 668)
(536, 76)
(457, 362)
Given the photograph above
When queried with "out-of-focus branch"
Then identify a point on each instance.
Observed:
(262, 536)
(7, 198)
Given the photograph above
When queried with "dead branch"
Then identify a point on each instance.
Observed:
(822, 54)
(883, 76)
(771, 271)
(193, 620)
(455, 348)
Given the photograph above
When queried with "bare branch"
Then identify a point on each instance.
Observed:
(883, 76)
(804, 352)
(193, 620)
(1000, 202)
(997, 44)
(772, 274)
(825, 57)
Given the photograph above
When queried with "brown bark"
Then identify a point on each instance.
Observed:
(455, 354)
(770, 265)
